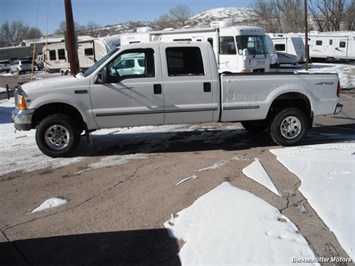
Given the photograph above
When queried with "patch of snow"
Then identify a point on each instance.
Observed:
(327, 173)
(183, 181)
(215, 166)
(230, 226)
(257, 172)
(50, 204)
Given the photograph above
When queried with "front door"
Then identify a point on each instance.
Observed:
(130, 98)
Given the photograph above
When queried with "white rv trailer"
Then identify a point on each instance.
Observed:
(289, 49)
(90, 50)
(237, 49)
(332, 45)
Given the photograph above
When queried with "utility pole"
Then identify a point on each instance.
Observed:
(306, 34)
(71, 39)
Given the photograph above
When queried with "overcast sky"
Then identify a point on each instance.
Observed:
(47, 14)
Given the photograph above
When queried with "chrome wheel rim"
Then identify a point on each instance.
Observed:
(57, 137)
(290, 127)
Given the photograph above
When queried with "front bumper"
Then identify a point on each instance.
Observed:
(22, 119)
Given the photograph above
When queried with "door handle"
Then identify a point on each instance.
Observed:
(207, 87)
(157, 89)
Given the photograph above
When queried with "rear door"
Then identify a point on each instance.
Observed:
(188, 86)
(129, 99)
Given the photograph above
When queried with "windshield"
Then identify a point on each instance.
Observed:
(99, 63)
(255, 44)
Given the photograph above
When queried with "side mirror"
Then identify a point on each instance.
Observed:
(102, 76)
(245, 52)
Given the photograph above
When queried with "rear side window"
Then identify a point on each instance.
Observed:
(184, 61)
(319, 43)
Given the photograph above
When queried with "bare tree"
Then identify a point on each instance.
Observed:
(267, 16)
(63, 27)
(327, 14)
(164, 21)
(12, 34)
(91, 25)
(279, 15)
(180, 14)
(349, 17)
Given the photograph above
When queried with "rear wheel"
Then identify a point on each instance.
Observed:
(289, 127)
(57, 136)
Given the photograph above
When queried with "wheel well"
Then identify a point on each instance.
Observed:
(58, 108)
(293, 99)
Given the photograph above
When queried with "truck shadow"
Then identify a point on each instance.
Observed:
(141, 247)
(201, 140)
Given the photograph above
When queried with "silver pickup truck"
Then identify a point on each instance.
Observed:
(173, 83)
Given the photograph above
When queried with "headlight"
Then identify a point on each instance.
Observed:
(20, 98)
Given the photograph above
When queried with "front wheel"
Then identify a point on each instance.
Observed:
(289, 127)
(57, 136)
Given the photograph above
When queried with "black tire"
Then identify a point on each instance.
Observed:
(57, 136)
(256, 126)
(289, 127)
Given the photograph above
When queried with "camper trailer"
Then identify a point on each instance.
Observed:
(237, 49)
(90, 50)
(289, 49)
(331, 46)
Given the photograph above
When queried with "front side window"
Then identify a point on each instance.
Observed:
(184, 61)
(319, 43)
(227, 45)
(255, 44)
(138, 63)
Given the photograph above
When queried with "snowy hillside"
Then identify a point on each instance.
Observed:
(237, 15)
(234, 14)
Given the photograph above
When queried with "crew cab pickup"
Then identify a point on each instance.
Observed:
(175, 83)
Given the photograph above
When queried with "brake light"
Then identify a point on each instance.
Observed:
(21, 105)
(338, 89)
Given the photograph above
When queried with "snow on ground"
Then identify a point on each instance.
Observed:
(327, 173)
(229, 225)
(257, 172)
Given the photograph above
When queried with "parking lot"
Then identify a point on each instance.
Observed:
(115, 213)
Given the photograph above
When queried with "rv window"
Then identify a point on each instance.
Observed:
(184, 61)
(280, 47)
(183, 40)
(227, 45)
(330, 42)
(52, 55)
(61, 54)
(319, 42)
(89, 51)
(342, 44)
